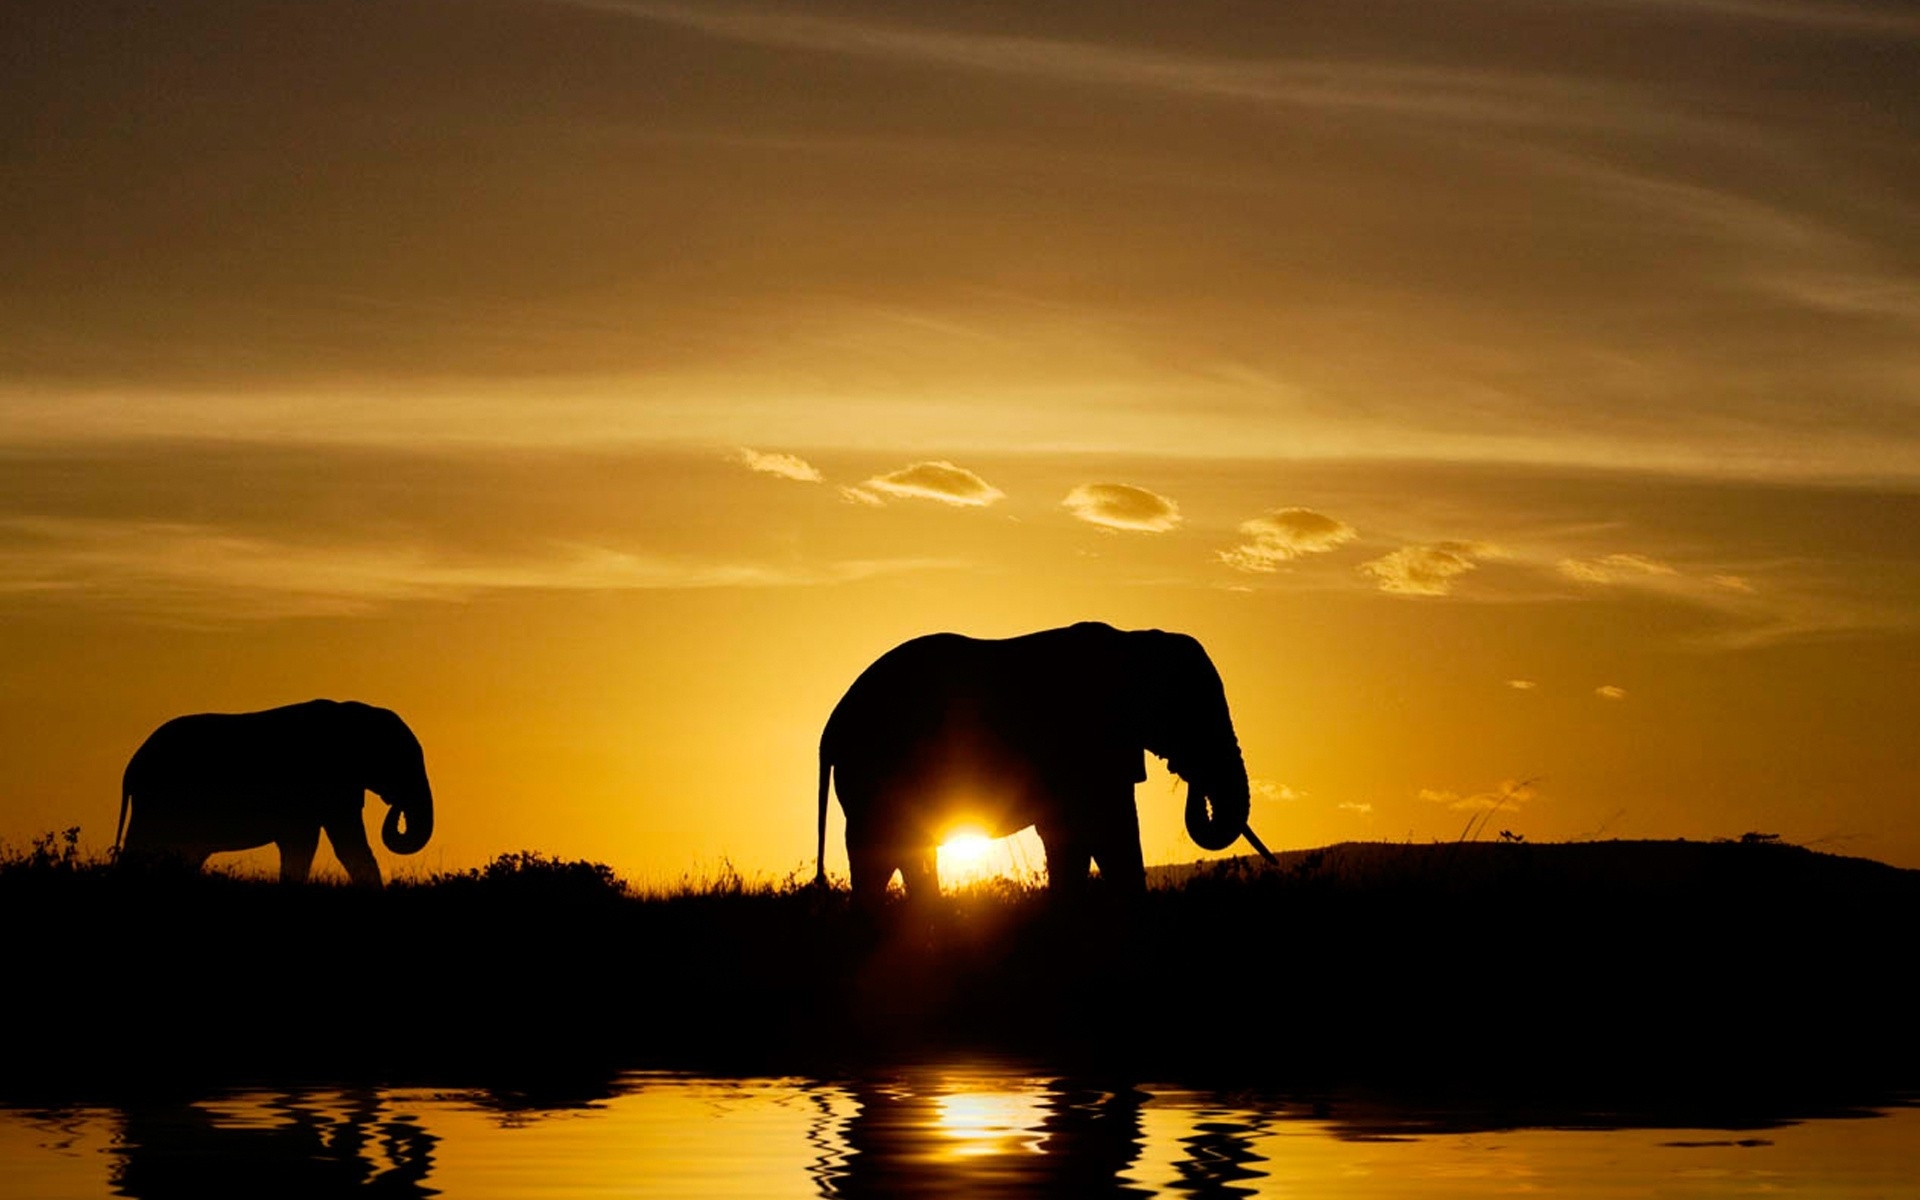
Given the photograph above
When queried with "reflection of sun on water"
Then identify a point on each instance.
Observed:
(991, 1123)
(969, 856)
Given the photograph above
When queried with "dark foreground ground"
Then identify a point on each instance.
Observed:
(1596, 966)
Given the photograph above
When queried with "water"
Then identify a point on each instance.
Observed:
(975, 1132)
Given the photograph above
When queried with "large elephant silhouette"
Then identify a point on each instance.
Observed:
(1047, 730)
(209, 782)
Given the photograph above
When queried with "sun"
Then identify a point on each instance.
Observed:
(966, 849)
(970, 856)
(965, 857)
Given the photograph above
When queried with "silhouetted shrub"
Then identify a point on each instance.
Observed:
(528, 873)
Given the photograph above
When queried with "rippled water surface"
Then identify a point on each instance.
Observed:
(935, 1132)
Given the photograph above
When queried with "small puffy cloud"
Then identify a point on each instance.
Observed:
(1118, 506)
(1613, 568)
(1511, 794)
(860, 495)
(1365, 810)
(786, 466)
(1427, 570)
(1267, 789)
(1522, 685)
(935, 480)
(1284, 535)
(1610, 692)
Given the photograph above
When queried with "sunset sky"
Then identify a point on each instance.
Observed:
(1520, 399)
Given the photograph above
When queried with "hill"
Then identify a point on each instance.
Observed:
(1630, 867)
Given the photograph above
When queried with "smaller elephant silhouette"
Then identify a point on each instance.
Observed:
(210, 782)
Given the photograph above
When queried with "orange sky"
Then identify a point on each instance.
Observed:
(1501, 391)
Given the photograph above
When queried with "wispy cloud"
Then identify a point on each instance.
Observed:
(1283, 535)
(1822, 14)
(1522, 685)
(1608, 691)
(205, 570)
(1510, 794)
(1795, 603)
(786, 466)
(935, 480)
(1613, 568)
(1267, 789)
(1434, 93)
(1427, 570)
(1120, 506)
(1795, 599)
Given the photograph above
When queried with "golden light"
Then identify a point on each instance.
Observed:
(991, 1122)
(969, 856)
(964, 856)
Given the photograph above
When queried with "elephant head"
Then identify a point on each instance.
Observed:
(393, 768)
(1183, 708)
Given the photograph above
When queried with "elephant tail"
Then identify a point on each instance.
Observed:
(126, 798)
(820, 845)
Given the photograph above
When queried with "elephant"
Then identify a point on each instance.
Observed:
(1048, 730)
(209, 782)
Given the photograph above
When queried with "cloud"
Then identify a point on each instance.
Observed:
(1510, 794)
(1365, 810)
(1284, 535)
(1524, 685)
(1432, 93)
(203, 570)
(1842, 17)
(1734, 583)
(786, 466)
(1427, 570)
(1608, 691)
(1267, 789)
(934, 480)
(1118, 506)
(1614, 568)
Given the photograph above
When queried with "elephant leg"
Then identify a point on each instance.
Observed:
(872, 869)
(920, 874)
(296, 854)
(1117, 850)
(349, 839)
(1068, 858)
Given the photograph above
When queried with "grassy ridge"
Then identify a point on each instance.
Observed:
(1455, 962)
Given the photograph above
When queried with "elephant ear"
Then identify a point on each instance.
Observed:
(1101, 708)
(1158, 688)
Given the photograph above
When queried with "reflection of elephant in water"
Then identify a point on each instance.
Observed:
(947, 732)
(289, 1146)
(233, 781)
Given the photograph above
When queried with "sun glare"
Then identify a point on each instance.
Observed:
(966, 849)
(966, 858)
(969, 856)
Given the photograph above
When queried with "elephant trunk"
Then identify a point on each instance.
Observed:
(1217, 809)
(418, 814)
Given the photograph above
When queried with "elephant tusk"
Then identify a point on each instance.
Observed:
(1253, 839)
